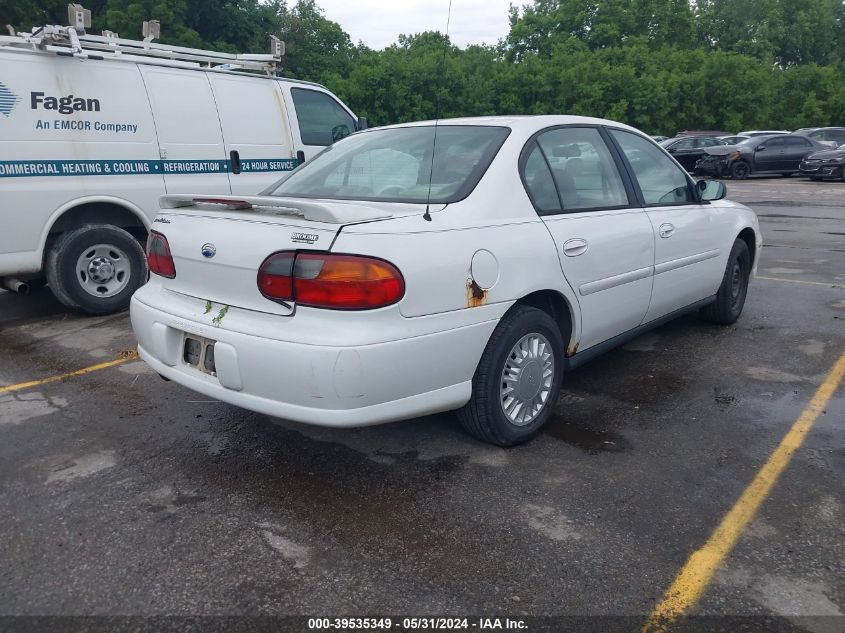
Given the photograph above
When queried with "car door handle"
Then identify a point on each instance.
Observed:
(235, 161)
(574, 247)
(666, 230)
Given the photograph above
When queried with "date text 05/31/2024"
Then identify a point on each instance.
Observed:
(415, 624)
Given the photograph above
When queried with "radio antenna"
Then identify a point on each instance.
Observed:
(427, 214)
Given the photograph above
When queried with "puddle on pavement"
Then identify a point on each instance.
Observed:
(587, 439)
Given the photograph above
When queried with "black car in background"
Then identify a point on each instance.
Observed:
(780, 153)
(824, 165)
(687, 150)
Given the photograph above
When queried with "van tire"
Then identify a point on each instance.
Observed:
(484, 415)
(115, 248)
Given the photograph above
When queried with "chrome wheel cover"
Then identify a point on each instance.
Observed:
(103, 270)
(527, 379)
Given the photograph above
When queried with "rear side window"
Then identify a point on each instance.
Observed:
(797, 141)
(322, 120)
(583, 169)
(539, 182)
(661, 181)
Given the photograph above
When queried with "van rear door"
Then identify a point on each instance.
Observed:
(189, 136)
(256, 132)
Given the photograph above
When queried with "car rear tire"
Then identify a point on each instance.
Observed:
(96, 268)
(517, 381)
(730, 299)
(740, 170)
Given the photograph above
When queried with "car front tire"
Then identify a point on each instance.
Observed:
(96, 268)
(740, 170)
(730, 298)
(517, 382)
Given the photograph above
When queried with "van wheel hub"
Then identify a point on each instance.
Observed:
(103, 270)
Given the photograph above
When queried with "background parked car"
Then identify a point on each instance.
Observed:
(762, 132)
(713, 133)
(687, 150)
(831, 136)
(733, 140)
(827, 164)
(780, 153)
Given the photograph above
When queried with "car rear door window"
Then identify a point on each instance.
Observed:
(322, 120)
(539, 183)
(797, 142)
(661, 181)
(583, 169)
(687, 143)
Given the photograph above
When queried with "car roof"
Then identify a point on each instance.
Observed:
(758, 132)
(523, 123)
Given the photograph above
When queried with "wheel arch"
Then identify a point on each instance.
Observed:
(557, 306)
(748, 236)
(96, 210)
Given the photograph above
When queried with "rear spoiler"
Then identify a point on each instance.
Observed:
(336, 212)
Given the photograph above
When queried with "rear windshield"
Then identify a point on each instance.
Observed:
(395, 165)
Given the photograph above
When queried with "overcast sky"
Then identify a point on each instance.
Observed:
(378, 23)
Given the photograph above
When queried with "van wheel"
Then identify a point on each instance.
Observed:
(518, 379)
(730, 299)
(96, 268)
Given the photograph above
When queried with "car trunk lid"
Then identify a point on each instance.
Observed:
(219, 242)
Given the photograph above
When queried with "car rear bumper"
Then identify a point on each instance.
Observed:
(340, 386)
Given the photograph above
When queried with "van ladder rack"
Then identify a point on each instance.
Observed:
(65, 40)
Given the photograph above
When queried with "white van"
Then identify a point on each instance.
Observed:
(93, 129)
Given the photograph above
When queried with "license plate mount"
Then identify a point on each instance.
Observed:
(198, 352)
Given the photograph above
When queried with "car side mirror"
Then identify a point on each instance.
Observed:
(711, 189)
(672, 150)
(761, 148)
(361, 123)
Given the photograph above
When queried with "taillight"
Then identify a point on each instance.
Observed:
(159, 257)
(275, 277)
(326, 280)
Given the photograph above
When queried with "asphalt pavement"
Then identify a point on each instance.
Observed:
(123, 494)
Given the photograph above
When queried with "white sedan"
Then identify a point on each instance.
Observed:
(425, 267)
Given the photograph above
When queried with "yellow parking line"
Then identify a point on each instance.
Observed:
(125, 357)
(800, 281)
(692, 580)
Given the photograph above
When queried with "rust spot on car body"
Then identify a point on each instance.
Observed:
(571, 351)
(476, 295)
